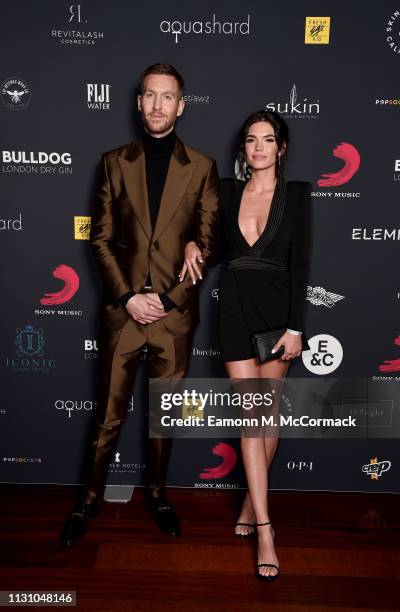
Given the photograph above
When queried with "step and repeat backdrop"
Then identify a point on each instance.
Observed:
(69, 78)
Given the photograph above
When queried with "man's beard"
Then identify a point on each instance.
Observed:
(158, 128)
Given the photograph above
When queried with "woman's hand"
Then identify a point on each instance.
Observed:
(292, 344)
(192, 256)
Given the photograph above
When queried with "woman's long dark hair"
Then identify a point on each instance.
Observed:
(281, 132)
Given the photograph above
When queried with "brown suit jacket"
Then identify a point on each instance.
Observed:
(126, 247)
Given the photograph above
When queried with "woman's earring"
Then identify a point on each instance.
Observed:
(246, 170)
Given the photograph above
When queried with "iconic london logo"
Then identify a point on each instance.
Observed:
(391, 365)
(374, 469)
(318, 296)
(30, 345)
(82, 227)
(229, 458)
(30, 341)
(317, 30)
(71, 286)
(325, 354)
(351, 158)
(15, 93)
(295, 108)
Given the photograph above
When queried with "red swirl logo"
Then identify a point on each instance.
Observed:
(391, 365)
(71, 286)
(351, 157)
(229, 459)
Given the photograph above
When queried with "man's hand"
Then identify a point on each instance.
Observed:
(145, 308)
(192, 256)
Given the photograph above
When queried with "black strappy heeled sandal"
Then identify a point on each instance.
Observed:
(268, 578)
(245, 535)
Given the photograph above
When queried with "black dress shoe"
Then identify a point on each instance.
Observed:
(163, 513)
(77, 522)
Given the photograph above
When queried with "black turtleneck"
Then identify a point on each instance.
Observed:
(157, 153)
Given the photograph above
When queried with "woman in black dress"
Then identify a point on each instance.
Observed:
(266, 239)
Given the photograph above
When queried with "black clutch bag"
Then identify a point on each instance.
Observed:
(264, 342)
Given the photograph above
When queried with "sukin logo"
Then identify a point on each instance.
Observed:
(71, 285)
(229, 458)
(11, 224)
(295, 108)
(30, 162)
(391, 365)
(392, 31)
(318, 296)
(76, 37)
(229, 28)
(98, 96)
(374, 469)
(30, 344)
(15, 93)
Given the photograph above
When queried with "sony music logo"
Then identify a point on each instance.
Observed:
(98, 96)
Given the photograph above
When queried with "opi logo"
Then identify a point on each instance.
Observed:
(71, 285)
(351, 157)
(229, 459)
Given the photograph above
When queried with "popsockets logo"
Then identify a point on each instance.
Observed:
(374, 469)
(15, 93)
(228, 28)
(229, 458)
(351, 158)
(325, 354)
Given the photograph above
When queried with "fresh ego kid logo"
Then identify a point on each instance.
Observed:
(71, 286)
(325, 354)
(229, 458)
(351, 157)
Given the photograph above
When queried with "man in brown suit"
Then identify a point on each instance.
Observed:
(155, 195)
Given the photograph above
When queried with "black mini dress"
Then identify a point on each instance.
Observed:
(263, 286)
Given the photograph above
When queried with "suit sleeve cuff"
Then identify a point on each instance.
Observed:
(124, 298)
(166, 302)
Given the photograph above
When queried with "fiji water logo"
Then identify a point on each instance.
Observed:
(374, 469)
(229, 459)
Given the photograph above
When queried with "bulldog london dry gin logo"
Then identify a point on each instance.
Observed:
(35, 162)
(15, 93)
(205, 28)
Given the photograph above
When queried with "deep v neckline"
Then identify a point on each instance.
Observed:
(273, 220)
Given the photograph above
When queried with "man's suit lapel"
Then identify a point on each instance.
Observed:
(133, 168)
(178, 176)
